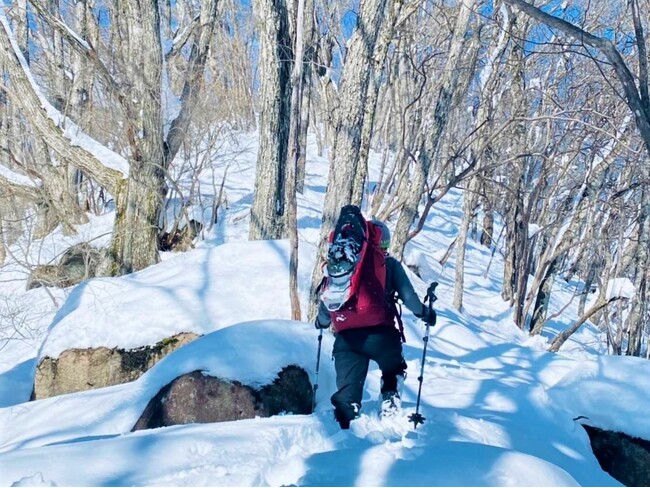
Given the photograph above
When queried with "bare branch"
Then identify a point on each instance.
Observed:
(60, 133)
(605, 47)
(81, 46)
(193, 81)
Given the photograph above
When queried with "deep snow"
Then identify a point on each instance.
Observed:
(499, 409)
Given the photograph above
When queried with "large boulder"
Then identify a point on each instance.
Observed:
(624, 457)
(199, 398)
(87, 369)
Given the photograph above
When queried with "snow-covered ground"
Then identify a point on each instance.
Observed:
(499, 409)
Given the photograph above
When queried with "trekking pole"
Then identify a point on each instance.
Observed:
(431, 297)
(320, 342)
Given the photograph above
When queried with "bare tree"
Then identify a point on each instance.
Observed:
(435, 123)
(636, 97)
(349, 120)
(133, 79)
(268, 219)
(296, 150)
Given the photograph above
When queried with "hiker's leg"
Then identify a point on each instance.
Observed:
(385, 348)
(351, 370)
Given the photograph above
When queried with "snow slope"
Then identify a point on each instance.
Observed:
(499, 409)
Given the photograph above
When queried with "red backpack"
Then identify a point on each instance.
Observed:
(355, 271)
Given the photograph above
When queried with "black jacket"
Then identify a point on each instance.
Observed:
(397, 285)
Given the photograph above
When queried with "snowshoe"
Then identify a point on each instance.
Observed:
(344, 256)
(391, 404)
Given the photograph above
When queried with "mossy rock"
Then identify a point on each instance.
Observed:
(86, 369)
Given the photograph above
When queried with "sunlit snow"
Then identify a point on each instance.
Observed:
(499, 409)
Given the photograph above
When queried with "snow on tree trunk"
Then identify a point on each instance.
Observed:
(43, 121)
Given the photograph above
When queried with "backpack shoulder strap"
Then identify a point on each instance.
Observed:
(393, 303)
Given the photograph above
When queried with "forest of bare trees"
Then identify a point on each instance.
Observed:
(540, 112)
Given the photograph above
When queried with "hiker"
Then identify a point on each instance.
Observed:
(374, 339)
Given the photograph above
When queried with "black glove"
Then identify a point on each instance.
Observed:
(428, 315)
(319, 326)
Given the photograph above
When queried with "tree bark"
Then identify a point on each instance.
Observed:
(384, 38)
(51, 133)
(295, 151)
(268, 219)
(309, 52)
(563, 336)
(135, 233)
(193, 84)
(468, 214)
(542, 299)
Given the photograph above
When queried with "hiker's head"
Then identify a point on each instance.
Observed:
(385, 234)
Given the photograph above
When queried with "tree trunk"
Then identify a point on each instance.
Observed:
(468, 214)
(563, 336)
(295, 152)
(510, 257)
(61, 204)
(33, 109)
(353, 94)
(135, 243)
(589, 280)
(542, 299)
(193, 82)
(22, 32)
(430, 143)
(306, 82)
(488, 226)
(489, 99)
(276, 58)
(638, 317)
(376, 67)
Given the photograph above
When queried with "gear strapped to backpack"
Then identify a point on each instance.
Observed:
(354, 290)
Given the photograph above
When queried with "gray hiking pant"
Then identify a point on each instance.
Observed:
(353, 350)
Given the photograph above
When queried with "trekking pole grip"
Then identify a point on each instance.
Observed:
(431, 293)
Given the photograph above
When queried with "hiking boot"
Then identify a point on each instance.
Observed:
(345, 417)
(390, 403)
